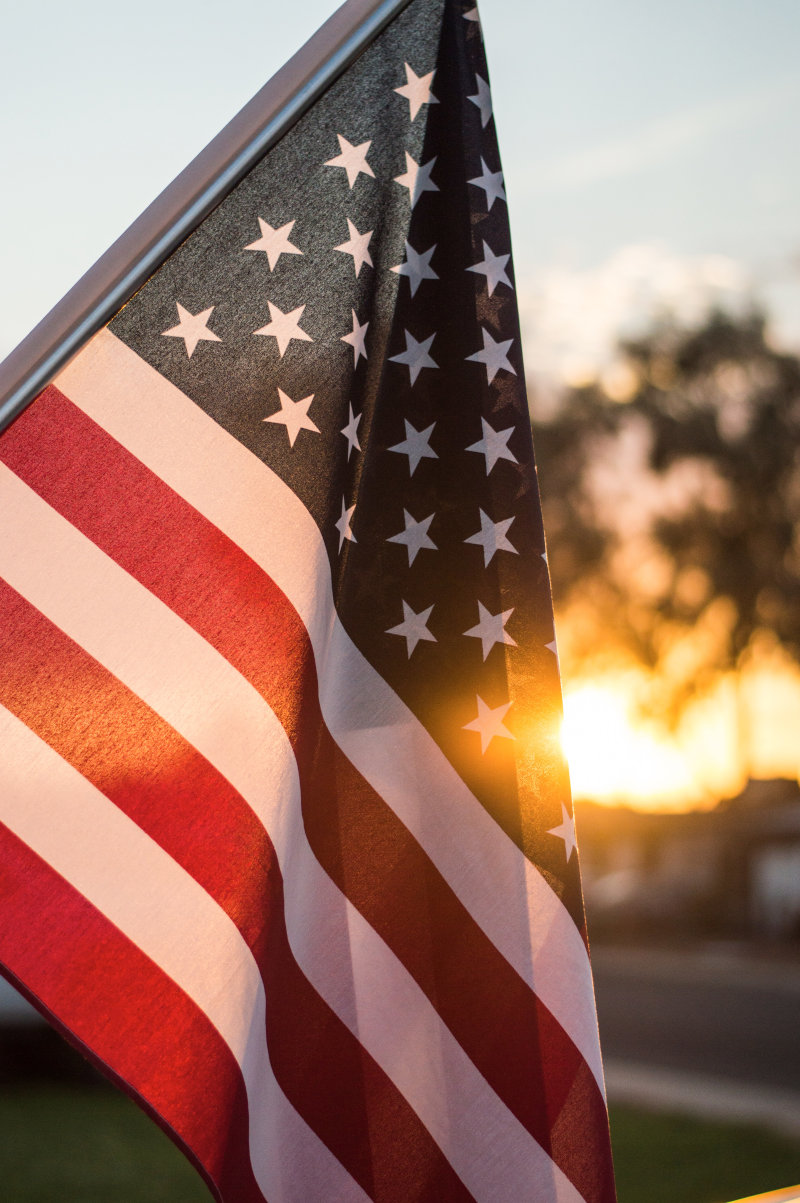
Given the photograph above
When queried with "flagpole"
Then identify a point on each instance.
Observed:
(180, 208)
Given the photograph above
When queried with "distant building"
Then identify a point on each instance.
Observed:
(731, 871)
(761, 830)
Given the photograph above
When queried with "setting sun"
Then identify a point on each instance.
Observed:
(617, 756)
(613, 758)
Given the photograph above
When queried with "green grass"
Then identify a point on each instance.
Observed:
(89, 1144)
(674, 1159)
(77, 1144)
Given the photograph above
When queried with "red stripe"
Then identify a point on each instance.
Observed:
(142, 765)
(510, 1035)
(129, 1013)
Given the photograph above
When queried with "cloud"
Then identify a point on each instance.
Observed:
(656, 142)
(572, 319)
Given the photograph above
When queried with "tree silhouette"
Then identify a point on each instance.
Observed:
(673, 518)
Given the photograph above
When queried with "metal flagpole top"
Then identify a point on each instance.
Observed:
(180, 208)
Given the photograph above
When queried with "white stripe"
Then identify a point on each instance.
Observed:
(167, 664)
(251, 504)
(162, 909)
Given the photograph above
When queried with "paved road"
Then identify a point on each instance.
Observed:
(712, 1012)
(708, 1013)
(13, 1007)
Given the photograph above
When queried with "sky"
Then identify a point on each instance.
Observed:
(649, 149)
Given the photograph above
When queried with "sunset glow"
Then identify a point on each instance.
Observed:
(612, 758)
(615, 756)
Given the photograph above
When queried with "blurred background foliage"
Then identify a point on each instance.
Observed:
(671, 495)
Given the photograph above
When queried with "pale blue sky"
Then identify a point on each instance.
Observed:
(638, 139)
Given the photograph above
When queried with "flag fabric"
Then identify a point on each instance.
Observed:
(286, 838)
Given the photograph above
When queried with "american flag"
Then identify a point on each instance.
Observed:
(286, 837)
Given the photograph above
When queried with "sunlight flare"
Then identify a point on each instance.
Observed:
(613, 757)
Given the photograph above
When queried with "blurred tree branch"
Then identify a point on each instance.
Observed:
(673, 515)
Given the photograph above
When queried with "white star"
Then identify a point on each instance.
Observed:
(494, 356)
(192, 328)
(356, 246)
(417, 178)
(551, 647)
(565, 831)
(417, 267)
(353, 159)
(491, 629)
(415, 356)
(493, 445)
(283, 327)
(413, 627)
(274, 241)
(415, 536)
(417, 90)
(356, 338)
(492, 537)
(343, 525)
(493, 268)
(489, 723)
(293, 415)
(415, 446)
(483, 100)
(471, 15)
(350, 431)
(492, 184)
